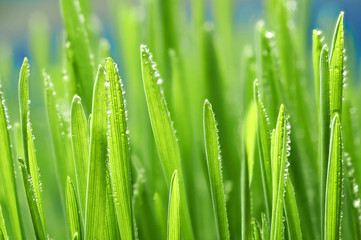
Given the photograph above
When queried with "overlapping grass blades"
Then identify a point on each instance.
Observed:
(214, 164)
(73, 211)
(174, 222)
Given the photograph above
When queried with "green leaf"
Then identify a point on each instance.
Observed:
(112, 228)
(119, 151)
(265, 228)
(214, 164)
(79, 137)
(337, 68)
(317, 44)
(83, 66)
(291, 212)
(96, 193)
(280, 145)
(160, 213)
(3, 234)
(163, 131)
(333, 199)
(174, 209)
(73, 210)
(31, 174)
(7, 171)
(255, 229)
(245, 199)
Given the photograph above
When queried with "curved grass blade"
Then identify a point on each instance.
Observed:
(174, 209)
(337, 67)
(291, 212)
(96, 192)
(214, 164)
(118, 148)
(7, 171)
(73, 210)
(333, 199)
(3, 233)
(30, 166)
(79, 137)
(163, 131)
(279, 161)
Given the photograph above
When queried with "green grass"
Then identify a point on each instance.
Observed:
(134, 151)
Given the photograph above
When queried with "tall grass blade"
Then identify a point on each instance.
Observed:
(291, 212)
(174, 209)
(7, 171)
(255, 230)
(119, 151)
(214, 164)
(163, 132)
(337, 67)
(30, 167)
(80, 143)
(317, 44)
(111, 222)
(333, 199)
(265, 227)
(96, 191)
(73, 210)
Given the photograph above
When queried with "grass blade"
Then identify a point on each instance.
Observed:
(3, 233)
(214, 164)
(96, 192)
(255, 229)
(79, 137)
(317, 44)
(31, 174)
(119, 151)
(174, 209)
(265, 228)
(333, 197)
(112, 228)
(7, 171)
(163, 132)
(291, 212)
(73, 210)
(337, 68)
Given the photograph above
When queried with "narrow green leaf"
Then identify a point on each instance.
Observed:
(333, 199)
(265, 227)
(111, 223)
(280, 153)
(214, 164)
(255, 229)
(245, 199)
(79, 137)
(291, 212)
(73, 209)
(119, 151)
(174, 209)
(7, 171)
(96, 192)
(337, 67)
(160, 213)
(317, 44)
(30, 165)
(163, 132)
(3, 234)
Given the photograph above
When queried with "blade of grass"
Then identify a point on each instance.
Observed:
(163, 132)
(291, 212)
(333, 199)
(214, 164)
(30, 166)
(79, 137)
(174, 209)
(255, 230)
(96, 191)
(246, 228)
(160, 213)
(265, 228)
(317, 44)
(110, 212)
(73, 210)
(118, 150)
(3, 233)
(337, 67)
(7, 171)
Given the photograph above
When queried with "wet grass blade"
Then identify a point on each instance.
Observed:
(265, 228)
(112, 228)
(174, 209)
(214, 164)
(30, 167)
(279, 161)
(291, 212)
(255, 230)
(79, 137)
(337, 68)
(163, 132)
(7, 171)
(333, 199)
(73, 210)
(119, 151)
(96, 192)
(317, 44)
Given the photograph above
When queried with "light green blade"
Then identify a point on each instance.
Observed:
(214, 164)
(79, 137)
(7, 171)
(96, 192)
(73, 210)
(291, 212)
(118, 150)
(3, 233)
(317, 44)
(256, 235)
(83, 66)
(333, 199)
(279, 146)
(265, 227)
(30, 165)
(111, 222)
(337, 68)
(163, 132)
(174, 209)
